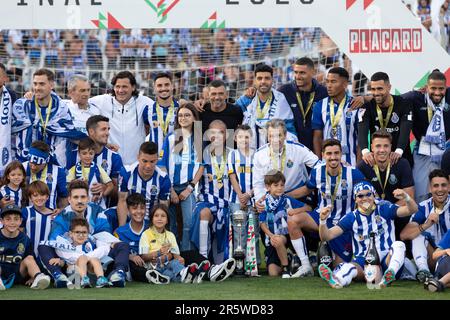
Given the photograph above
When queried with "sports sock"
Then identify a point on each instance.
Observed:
(300, 248)
(397, 256)
(346, 273)
(203, 241)
(419, 251)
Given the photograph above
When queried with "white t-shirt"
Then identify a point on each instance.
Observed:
(80, 116)
(126, 122)
(294, 168)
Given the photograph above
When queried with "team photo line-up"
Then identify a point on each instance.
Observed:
(97, 191)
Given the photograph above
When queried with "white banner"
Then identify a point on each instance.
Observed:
(376, 34)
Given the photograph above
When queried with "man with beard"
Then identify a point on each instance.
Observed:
(219, 109)
(429, 224)
(385, 112)
(334, 119)
(267, 104)
(431, 128)
(160, 116)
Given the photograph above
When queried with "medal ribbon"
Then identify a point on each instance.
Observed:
(336, 118)
(377, 173)
(261, 111)
(219, 170)
(165, 124)
(47, 117)
(384, 122)
(275, 161)
(336, 187)
(308, 107)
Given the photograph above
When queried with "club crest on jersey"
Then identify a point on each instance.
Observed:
(155, 124)
(289, 163)
(105, 164)
(393, 179)
(49, 177)
(360, 237)
(5, 156)
(210, 177)
(154, 190)
(394, 118)
(377, 219)
(20, 248)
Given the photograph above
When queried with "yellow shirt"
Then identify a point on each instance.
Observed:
(104, 178)
(152, 240)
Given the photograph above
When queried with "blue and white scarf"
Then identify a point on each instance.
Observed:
(94, 171)
(276, 214)
(433, 144)
(5, 143)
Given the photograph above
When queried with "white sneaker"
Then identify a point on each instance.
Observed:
(41, 281)
(222, 271)
(303, 271)
(156, 277)
(188, 273)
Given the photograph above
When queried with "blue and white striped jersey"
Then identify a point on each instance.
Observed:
(437, 230)
(55, 178)
(343, 196)
(157, 134)
(155, 189)
(347, 128)
(211, 189)
(126, 234)
(15, 195)
(242, 167)
(37, 226)
(181, 163)
(380, 221)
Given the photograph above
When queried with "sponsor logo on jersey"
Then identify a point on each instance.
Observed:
(154, 190)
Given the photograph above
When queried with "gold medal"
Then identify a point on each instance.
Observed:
(377, 173)
(218, 169)
(308, 107)
(278, 164)
(384, 122)
(159, 114)
(336, 186)
(47, 116)
(336, 118)
(261, 111)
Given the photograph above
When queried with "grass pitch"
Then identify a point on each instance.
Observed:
(263, 288)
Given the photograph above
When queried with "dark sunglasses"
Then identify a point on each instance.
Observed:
(360, 196)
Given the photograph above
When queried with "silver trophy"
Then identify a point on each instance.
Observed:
(239, 218)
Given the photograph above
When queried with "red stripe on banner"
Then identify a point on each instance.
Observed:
(447, 76)
(213, 16)
(113, 23)
(173, 4)
(367, 3)
(349, 3)
(160, 3)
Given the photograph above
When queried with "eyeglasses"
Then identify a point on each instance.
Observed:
(80, 233)
(360, 196)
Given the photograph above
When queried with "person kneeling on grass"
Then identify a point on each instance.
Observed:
(441, 278)
(369, 216)
(158, 247)
(86, 256)
(16, 258)
(274, 223)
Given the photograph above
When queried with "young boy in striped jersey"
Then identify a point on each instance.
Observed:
(368, 217)
(88, 170)
(37, 218)
(274, 223)
(212, 209)
(240, 171)
(334, 183)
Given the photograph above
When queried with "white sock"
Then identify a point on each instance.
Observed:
(203, 241)
(346, 273)
(397, 256)
(301, 250)
(420, 253)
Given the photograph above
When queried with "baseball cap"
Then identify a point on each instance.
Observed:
(10, 208)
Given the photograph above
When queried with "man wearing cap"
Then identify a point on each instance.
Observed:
(41, 166)
(368, 217)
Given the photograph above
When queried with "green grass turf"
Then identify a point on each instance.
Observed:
(265, 288)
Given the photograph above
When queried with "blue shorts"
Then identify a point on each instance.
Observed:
(384, 266)
(442, 266)
(342, 245)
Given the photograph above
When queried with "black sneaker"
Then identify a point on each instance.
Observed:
(285, 274)
(434, 285)
(422, 275)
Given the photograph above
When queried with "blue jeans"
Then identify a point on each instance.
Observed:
(172, 270)
(187, 209)
(243, 236)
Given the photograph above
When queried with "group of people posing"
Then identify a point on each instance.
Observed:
(98, 190)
